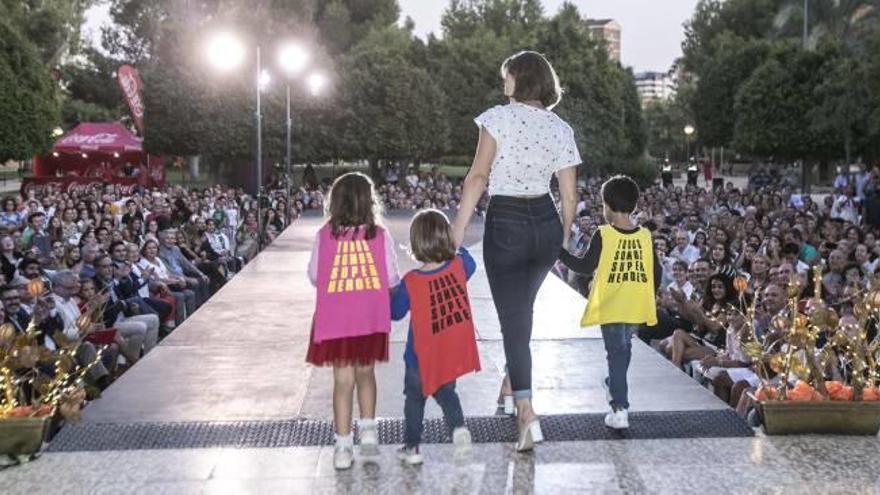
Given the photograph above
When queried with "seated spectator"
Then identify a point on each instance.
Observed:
(125, 317)
(709, 321)
(178, 265)
(154, 269)
(683, 250)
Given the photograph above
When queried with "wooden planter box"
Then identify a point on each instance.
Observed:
(22, 436)
(828, 417)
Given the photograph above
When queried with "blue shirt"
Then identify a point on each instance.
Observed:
(400, 302)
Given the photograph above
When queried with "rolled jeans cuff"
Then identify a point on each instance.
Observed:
(522, 394)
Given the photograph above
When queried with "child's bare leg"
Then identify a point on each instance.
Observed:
(365, 377)
(343, 391)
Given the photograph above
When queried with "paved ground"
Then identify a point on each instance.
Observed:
(240, 358)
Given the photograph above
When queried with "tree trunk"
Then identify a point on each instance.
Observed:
(194, 167)
(374, 168)
(824, 170)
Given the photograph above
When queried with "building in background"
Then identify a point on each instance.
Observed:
(655, 86)
(608, 30)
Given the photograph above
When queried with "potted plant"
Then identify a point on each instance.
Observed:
(802, 399)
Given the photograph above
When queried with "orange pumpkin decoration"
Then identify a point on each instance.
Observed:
(740, 284)
(839, 391)
(766, 393)
(802, 391)
(21, 412)
(870, 394)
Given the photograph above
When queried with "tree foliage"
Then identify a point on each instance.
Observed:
(760, 88)
(28, 99)
(393, 96)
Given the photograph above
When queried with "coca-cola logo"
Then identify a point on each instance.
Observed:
(90, 139)
(131, 90)
(75, 187)
(131, 86)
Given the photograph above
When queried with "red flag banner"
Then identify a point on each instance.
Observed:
(132, 87)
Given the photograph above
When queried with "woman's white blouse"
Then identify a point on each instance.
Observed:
(159, 266)
(531, 145)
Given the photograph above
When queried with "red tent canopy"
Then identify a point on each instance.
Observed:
(107, 137)
(97, 152)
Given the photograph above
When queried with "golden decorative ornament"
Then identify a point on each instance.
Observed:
(873, 299)
(752, 350)
(861, 309)
(27, 356)
(777, 363)
(800, 369)
(7, 333)
(740, 284)
(793, 290)
(36, 287)
(779, 323)
(83, 322)
(832, 319)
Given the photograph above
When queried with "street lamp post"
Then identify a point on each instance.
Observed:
(688, 130)
(293, 59)
(287, 178)
(226, 52)
(259, 125)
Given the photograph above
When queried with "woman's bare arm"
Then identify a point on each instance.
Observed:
(568, 191)
(474, 184)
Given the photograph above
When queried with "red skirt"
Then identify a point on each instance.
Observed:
(348, 351)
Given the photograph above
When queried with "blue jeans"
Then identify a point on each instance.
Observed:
(414, 406)
(520, 245)
(618, 351)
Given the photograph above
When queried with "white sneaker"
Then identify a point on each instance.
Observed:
(410, 455)
(343, 457)
(461, 438)
(619, 420)
(369, 440)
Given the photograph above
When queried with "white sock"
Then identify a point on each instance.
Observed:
(344, 440)
(367, 423)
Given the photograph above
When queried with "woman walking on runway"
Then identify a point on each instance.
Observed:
(521, 146)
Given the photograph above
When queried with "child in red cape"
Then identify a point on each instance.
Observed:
(441, 344)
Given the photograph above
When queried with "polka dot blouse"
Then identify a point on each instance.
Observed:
(531, 145)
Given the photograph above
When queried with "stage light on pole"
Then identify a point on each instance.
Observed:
(293, 58)
(688, 130)
(225, 51)
(316, 83)
(264, 79)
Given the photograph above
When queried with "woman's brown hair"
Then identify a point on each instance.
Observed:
(535, 79)
(353, 203)
(430, 237)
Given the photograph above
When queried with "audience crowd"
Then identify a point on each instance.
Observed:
(765, 235)
(412, 191)
(139, 264)
(95, 267)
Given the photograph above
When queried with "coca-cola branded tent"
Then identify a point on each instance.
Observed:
(97, 152)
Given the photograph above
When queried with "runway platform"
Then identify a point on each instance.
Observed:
(227, 404)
